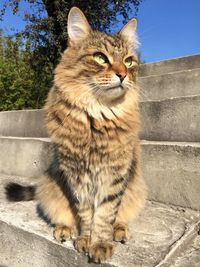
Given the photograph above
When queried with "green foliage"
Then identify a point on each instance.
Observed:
(22, 84)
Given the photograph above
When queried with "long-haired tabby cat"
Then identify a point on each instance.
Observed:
(93, 186)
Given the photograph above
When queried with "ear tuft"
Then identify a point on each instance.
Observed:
(128, 32)
(78, 26)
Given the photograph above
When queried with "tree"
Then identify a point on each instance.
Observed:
(47, 20)
(22, 85)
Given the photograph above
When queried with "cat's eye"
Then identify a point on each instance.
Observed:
(128, 62)
(100, 58)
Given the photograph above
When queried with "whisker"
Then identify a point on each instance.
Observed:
(140, 90)
(145, 96)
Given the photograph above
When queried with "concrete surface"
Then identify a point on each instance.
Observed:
(24, 156)
(158, 232)
(172, 173)
(190, 256)
(26, 123)
(171, 65)
(171, 169)
(175, 84)
(186, 251)
(176, 119)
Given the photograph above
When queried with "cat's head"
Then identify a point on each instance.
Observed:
(97, 66)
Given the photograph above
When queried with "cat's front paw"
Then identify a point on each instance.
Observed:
(62, 233)
(100, 251)
(82, 244)
(120, 233)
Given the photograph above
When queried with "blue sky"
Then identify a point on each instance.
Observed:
(166, 28)
(169, 28)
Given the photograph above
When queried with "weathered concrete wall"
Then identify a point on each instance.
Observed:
(172, 172)
(22, 123)
(176, 84)
(175, 119)
(27, 157)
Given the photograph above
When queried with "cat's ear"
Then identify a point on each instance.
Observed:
(128, 32)
(78, 27)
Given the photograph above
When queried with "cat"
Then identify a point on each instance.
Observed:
(94, 185)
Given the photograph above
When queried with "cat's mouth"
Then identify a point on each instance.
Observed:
(115, 87)
(113, 92)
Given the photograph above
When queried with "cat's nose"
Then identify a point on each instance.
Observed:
(121, 75)
(120, 70)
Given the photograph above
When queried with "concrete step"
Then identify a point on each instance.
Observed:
(171, 169)
(28, 157)
(24, 123)
(174, 84)
(171, 65)
(189, 256)
(176, 119)
(158, 237)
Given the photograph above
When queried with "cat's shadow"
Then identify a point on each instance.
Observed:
(43, 216)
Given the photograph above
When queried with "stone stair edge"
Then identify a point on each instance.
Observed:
(44, 139)
(20, 110)
(142, 141)
(167, 65)
(170, 143)
(168, 73)
(171, 99)
(172, 59)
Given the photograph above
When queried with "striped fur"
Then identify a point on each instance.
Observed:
(94, 185)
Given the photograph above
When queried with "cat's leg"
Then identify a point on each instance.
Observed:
(101, 247)
(85, 213)
(57, 208)
(111, 217)
(132, 202)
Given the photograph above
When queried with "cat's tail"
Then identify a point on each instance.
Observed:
(17, 192)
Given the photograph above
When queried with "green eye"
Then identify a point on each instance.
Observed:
(100, 58)
(128, 62)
